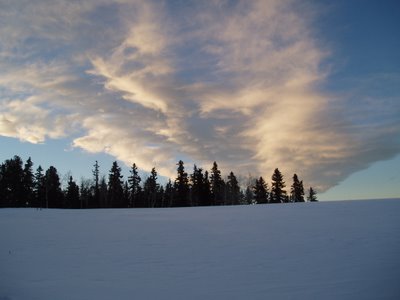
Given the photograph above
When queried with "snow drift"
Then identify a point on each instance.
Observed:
(335, 250)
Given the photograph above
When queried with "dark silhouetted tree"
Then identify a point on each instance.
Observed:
(181, 186)
(54, 195)
(278, 194)
(249, 196)
(115, 189)
(260, 191)
(169, 194)
(297, 190)
(11, 185)
(39, 188)
(72, 195)
(134, 186)
(233, 190)
(126, 195)
(96, 187)
(28, 182)
(151, 189)
(217, 186)
(103, 200)
(312, 195)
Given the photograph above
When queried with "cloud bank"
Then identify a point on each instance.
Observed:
(152, 82)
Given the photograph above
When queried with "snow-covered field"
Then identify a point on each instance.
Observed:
(335, 250)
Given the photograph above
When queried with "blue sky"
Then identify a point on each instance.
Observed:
(310, 87)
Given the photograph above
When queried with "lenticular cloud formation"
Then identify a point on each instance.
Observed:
(150, 82)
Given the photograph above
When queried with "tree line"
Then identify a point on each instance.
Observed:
(20, 186)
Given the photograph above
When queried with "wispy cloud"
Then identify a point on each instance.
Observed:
(150, 82)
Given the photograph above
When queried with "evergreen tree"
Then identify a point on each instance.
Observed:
(217, 185)
(103, 193)
(169, 194)
(28, 182)
(205, 193)
(312, 195)
(12, 177)
(115, 189)
(297, 190)
(260, 191)
(3, 187)
(54, 196)
(134, 186)
(278, 194)
(126, 195)
(39, 188)
(249, 196)
(86, 193)
(196, 179)
(181, 186)
(233, 190)
(96, 187)
(72, 195)
(151, 189)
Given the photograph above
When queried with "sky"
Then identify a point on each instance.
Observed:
(309, 87)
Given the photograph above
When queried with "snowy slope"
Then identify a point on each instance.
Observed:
(335, 250)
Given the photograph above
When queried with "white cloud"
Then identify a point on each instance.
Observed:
(235, 82)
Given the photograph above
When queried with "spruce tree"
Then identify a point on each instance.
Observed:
(249, 196)
(103, 198)
(72, 195)
(39, 188)
(181, 186)
(96, 188)
(233, 190)
(196, 182)
(297, 190)
(278, 194)
(217, 185)
(126, 195)
(115, 188)
(134, 186)
(169, 194)
(312, 195)
(28, 182)
(12, 177)
(260, 191)
(54, 196)
(151, 189)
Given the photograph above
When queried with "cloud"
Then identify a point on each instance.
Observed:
(152, 82)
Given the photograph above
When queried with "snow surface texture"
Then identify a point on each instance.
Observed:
(335, 250)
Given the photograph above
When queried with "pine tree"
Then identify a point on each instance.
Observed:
(72, 195)
(233, 190)
(312, 195)
(181, 186)
(260, 191)
(134, 186)
(126, 195)
(278, 194)
(103, 193)
(12, 188)
(3, 186)
(196, 181)
(297, 190)
(249, 196)
(28, 182)
(54, 196)
(96, 188)
(115, 189)
(169, 194)
(217, 185)
(151, 189)
(39, 188)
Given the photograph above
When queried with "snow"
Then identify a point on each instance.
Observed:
(331, 250)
